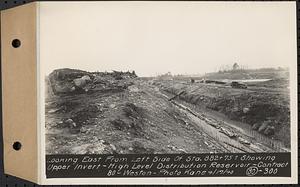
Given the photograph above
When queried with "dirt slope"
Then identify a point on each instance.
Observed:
(264, 109)
(137, 118)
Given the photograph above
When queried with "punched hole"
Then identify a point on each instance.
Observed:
(16, 43)
(17, 146)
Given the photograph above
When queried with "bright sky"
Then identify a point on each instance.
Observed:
(157, 37)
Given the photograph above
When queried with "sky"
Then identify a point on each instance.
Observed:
(157, 37)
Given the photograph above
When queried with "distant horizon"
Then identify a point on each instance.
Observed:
(191, 74)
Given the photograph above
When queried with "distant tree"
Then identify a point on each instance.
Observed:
(235, 66)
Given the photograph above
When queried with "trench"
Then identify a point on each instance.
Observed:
(226, 143)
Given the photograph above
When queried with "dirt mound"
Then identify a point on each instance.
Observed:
(265, 110)
(64, 81)
(71, 81)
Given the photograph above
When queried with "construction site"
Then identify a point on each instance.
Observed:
(120, 113)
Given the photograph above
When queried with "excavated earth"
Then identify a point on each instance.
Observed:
(126, 114)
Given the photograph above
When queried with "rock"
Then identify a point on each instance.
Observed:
(60, 123)
(235, 109)
(86, 78)
(113, 147)
(82, 82)
(74, 124)
(133, 88)
(83, 130)
(246, 110)
(54, 110)
(79, 82)
(227, 132)
(69, 121)
(256, 126)
(243, 141)
(182, 150)
(270, 130)
(263, 126)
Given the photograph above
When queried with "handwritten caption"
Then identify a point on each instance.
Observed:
(172, 165)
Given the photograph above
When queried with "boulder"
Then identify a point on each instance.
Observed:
(81, 83)
(86, 78)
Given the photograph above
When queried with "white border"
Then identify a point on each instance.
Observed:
(168, 180)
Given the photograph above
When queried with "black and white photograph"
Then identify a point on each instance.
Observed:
(150, 92)
(175, 79)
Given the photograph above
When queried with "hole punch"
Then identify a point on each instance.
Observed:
(17, 146)
(16, 43)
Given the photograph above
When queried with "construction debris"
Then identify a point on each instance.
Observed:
(70, 81)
